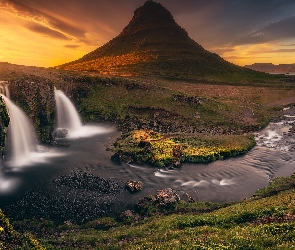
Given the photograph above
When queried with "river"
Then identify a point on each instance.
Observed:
(232, 179)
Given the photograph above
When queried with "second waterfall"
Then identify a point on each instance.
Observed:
(67, 115)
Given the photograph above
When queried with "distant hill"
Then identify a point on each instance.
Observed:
(154, 44)
(272, 68)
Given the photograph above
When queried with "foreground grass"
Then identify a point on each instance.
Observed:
(265, 221)
(256, 223)
(11, 239)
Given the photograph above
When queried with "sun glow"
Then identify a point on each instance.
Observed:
(37, 35)
(275, 53)
(19, 45)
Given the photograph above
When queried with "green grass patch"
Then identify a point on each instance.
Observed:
(267, 223)
(147, 146)
(276, 185)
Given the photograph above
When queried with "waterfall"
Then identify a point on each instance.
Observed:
(21, 135)
(67, 115)
(68, 119)
(4, 89)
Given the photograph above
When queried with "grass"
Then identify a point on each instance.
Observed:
(11, 239)
(142, 146)
(265, 221)
(224, 116)
(222, 107)
(219, 110)
(256, 223)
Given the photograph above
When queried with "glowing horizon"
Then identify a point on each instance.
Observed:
(48, 34)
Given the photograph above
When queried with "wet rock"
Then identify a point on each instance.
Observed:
(133, 186)
(163, 202)
(59, 205)
(166, 196)
(83, 180)
(77, 198)
(60, 144)
(60, 133)
(190, 199)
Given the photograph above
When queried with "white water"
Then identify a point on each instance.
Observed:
(68, 118)
(21, 135)
(4, 89)
(67, 115)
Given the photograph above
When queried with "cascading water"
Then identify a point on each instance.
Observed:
(68, 119)
(67, 115)
(4, 89)
(21, 135)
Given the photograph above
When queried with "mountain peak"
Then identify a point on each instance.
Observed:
(151, 15)
(153, 44)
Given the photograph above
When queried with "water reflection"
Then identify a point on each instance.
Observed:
(8, 184)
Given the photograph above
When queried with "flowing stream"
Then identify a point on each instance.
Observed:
(233, 179)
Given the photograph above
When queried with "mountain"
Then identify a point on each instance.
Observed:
(153, 44)
(272, 68)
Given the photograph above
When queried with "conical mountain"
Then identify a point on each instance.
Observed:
(153, 44)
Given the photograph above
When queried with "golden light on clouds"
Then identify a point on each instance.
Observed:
(28, 39)
(19, 45)
(261, 53)
(49, 33)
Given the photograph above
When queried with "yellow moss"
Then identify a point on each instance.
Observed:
(140, 135)
(162, 149)
(5, 223)
(36, 244)
(206, 151)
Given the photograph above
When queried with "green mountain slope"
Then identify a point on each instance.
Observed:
(154, 44)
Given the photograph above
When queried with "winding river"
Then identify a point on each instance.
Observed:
(233, 179)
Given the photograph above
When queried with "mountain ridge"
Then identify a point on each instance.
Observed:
(273, 68)
(153, 43)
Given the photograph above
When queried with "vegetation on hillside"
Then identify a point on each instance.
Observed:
(173, 108)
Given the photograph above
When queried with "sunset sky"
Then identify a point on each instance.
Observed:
(51, 32)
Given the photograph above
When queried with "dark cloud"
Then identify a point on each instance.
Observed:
(69, 46)
(46, 31)
(219, 23)
(222, 50)
(282, 29)
(212, 23)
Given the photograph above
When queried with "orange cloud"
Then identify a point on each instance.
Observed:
(41, 22)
